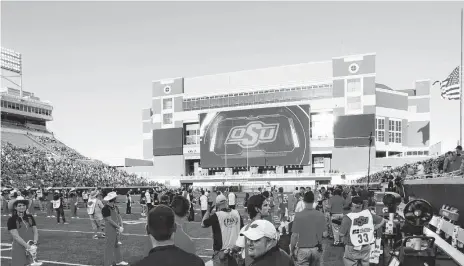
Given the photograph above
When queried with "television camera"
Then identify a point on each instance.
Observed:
(408, 245)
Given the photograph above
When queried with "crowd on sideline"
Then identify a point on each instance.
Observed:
(306, 216)
(449, 164)
(22, 167)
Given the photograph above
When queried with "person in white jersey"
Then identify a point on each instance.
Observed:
(94, 210)
(232, 199)
(226, 225)
(203, 203)
(357, 230)
(148, 200)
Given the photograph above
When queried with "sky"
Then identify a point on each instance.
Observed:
(95, 61)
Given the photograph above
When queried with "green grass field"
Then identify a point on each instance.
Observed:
(73, 245)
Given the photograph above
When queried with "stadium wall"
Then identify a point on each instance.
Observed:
(398, 119)
(169, 165)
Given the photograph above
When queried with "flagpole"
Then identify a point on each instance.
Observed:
(460, 86)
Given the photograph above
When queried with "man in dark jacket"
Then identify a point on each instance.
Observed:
(262, 240)
(161, 227)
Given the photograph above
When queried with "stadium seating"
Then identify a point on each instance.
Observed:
(21, 140)
(32, 165)
(58, 147)
(408, 171)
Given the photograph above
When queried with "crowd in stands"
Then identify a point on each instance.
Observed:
(58, 147)
(21, 167)
(450, 164)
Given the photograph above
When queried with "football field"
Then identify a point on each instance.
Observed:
(72, 244)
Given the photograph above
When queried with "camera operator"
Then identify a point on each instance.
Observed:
(357, 230)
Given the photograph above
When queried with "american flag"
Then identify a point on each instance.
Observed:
(450, 86)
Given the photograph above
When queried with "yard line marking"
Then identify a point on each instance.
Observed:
(201, 256)
(83, 232)
(53, 262)
(6, 244)
(5, 249)
(124, 234)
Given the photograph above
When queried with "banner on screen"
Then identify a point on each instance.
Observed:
(255, 137)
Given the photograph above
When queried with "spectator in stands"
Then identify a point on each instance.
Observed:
(161, 227)
(420, 169)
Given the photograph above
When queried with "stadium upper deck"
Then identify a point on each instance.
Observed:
(342, 105)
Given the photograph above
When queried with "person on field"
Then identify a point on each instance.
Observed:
(128, 203)
(258, 209)
(73, 203)
(113, 228)
(94, 210)
(161, 228)
(262, 239)
(50, 202)
(58, 207)
(23, 230)
(358, 245)
(180, 206)
(226, 224)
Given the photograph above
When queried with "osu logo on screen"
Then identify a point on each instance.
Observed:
(252, 134)
(360, 221)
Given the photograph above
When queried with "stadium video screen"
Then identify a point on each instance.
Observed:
(255, 137)
(168, 141)
(354, 130)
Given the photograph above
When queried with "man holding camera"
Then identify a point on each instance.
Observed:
(226, 224)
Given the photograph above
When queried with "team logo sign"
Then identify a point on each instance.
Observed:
(252, 134)
(229, 222)
(360, 221)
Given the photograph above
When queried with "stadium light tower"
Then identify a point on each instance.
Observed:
(11, 62)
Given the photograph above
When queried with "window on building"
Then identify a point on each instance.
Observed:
(353, 85)
(167, 119)
(395, 131)
(380, 129)
(354, 103)
(322, 125)
(167, 104)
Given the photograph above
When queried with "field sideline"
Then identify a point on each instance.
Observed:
(73, 245)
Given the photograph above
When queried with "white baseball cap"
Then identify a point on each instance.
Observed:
(221, 199)
(259, 229)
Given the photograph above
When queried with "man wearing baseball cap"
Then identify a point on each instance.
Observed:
(226, 224)
(357, 230)
(262, 238)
